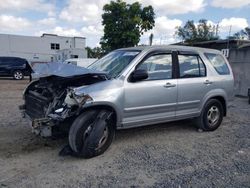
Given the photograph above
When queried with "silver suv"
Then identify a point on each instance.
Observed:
(128, 88)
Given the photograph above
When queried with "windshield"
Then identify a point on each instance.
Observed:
(114, 62)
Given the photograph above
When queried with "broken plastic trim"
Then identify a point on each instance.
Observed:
(73, 99)
(72, 106)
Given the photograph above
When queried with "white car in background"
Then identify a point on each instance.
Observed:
(81, 62)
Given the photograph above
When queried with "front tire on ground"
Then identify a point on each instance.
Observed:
(18, 75)
(211, 115)
(91, 133)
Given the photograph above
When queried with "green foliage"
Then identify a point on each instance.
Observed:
(192, 33)
(243, 34)
(96, 52)
(124, 24)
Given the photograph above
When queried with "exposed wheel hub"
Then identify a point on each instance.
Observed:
(213, 115)
(103, 138)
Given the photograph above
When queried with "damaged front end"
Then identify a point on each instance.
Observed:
(51, 103)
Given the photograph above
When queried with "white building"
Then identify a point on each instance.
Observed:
(47, 48)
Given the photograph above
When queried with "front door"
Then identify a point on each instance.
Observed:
(154, 99)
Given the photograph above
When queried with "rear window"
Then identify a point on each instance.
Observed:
(218, 63)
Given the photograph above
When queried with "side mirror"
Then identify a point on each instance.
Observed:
(140, 74)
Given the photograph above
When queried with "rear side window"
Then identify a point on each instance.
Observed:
(3, 60)
(191, 66)
(6, 61)
(218, 63)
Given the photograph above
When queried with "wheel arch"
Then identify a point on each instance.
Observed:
(218, 94)
(107, 107)
(16, 69)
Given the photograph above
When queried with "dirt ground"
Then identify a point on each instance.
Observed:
(166, 155)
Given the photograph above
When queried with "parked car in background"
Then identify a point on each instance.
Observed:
(15, 67)
(81, 62)
(129, 88)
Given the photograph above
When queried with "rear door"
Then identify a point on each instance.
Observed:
(192, 82)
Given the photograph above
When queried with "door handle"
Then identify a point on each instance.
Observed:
(207, 82)
(168, 85)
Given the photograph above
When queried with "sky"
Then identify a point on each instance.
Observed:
(83, 17)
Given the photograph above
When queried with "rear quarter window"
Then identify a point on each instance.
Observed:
(218, 63)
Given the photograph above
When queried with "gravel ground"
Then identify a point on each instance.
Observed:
(166, 155)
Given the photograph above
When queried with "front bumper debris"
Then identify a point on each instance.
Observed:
(40, 126)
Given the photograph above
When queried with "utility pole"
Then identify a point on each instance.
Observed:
(151, 36)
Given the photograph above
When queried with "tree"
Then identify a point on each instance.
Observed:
(192, 32)
(96, 52)
(243, 34)
(125, 23)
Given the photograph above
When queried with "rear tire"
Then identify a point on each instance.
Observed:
(91, 133)
(18, 75)
(211, 115)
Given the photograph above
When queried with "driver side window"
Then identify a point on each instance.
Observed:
(158, 66)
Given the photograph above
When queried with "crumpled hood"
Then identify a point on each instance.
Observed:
(60, 69)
